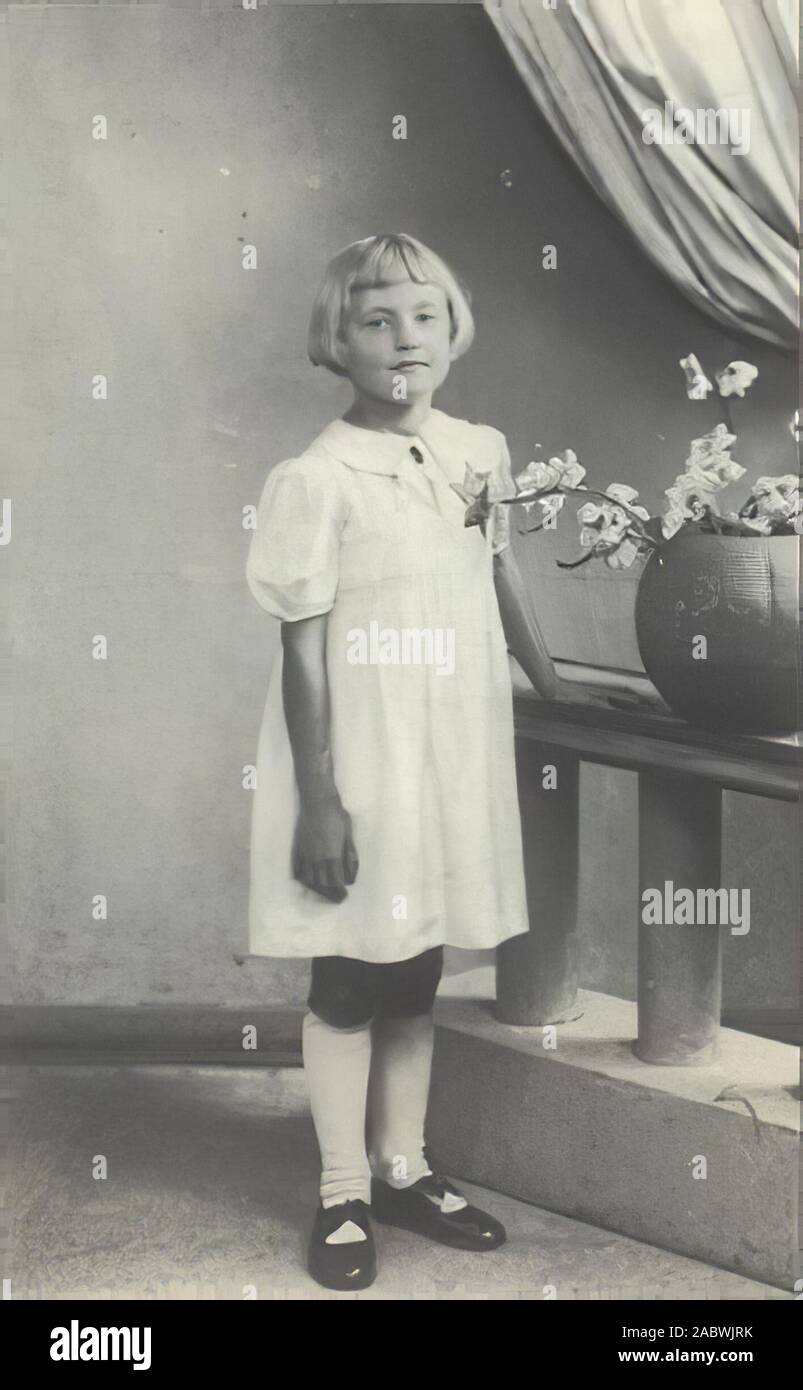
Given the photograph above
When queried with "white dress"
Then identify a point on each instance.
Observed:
(421, 725)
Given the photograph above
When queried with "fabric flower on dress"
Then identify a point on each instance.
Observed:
(697, 384)
(473, 484)
(474, 491)
(479, 490)
(735, 379)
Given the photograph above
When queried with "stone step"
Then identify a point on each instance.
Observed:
(699, 1160)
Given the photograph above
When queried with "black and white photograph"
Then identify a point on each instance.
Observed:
(399, 616)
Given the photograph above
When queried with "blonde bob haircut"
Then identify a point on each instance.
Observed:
(369, 264)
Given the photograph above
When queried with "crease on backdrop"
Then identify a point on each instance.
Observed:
(722, 225)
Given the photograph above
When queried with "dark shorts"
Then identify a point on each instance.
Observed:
(348, 993)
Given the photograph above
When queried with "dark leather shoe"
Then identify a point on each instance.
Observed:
(425, 1208)
(350, 1265)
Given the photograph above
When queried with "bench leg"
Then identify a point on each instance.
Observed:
(680, 966)
(536, 973)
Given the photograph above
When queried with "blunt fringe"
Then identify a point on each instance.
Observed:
(369, 263)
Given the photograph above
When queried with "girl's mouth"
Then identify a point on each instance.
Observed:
(407, 366)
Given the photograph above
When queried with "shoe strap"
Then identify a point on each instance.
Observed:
(439, 1189)
(355, 1212)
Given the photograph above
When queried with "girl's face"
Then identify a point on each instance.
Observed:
(401, 329)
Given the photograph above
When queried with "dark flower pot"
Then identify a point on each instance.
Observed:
(741, 594)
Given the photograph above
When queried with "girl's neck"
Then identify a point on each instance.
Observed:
(397, 417)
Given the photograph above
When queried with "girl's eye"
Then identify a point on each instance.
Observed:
(371, 322)
(425, 316)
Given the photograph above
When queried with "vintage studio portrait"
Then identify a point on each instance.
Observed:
(400, 564)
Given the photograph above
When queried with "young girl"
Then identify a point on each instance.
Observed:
(385, 821)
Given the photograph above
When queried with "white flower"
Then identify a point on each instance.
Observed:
(784, 482)
(624, 555)
(689, 496)
(761, 524)
(717, 473)
(697, 384)
(710, 462)
(606, 524)
(777, 498)
(672, 520)
(537, 477)
(712, 445)
(620, 492)
(787, 484)
(735, 379)
(562, 471)
(571, 472)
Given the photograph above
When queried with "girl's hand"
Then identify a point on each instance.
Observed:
(324, 856)
(635, 695)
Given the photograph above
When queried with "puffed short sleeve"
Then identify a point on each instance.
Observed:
(501, 485)
(293, 560)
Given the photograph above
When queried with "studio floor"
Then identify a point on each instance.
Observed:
(210, 1187)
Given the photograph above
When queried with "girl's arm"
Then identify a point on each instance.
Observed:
(525, 641)
(324, 856)
(522, 632)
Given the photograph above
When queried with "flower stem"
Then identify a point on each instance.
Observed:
(533, 495)
(573, 564)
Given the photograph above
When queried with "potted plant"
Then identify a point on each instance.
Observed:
(717, 608)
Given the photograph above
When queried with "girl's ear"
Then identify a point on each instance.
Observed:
(452, 334)
(340, 347)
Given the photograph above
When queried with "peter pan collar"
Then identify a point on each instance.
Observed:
(381, 451)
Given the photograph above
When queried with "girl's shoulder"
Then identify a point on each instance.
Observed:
(472, 431)
(313, 466)
(307, 483)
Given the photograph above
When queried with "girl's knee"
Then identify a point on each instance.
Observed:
(341, 1020)
(341, 993)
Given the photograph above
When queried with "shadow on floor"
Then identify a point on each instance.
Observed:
(211, 1181)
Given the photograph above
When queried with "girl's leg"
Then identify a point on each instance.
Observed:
(336, 1047)
(403, 1034)
(397, 1098)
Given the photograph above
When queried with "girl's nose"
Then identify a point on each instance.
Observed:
(408, 338)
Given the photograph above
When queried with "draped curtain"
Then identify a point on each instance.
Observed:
(723, 226)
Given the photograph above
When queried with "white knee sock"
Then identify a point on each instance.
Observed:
(398, 1090)
(337, 1063)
